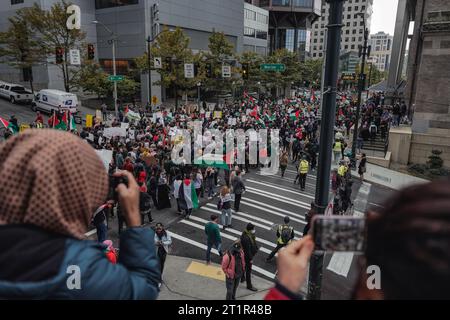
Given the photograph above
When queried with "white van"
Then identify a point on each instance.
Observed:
(48, 100)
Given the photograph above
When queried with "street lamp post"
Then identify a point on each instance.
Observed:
(326, 135)
(113, 42)
(365, 49)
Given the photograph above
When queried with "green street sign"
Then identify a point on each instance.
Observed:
(115, 78)
(277, 67)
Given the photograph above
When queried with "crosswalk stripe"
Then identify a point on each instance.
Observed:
(278, 197)
(258, 205)
(312, 185)
(238, 216)
(293, 171)
(246, 215)
(282, 189)
(214, 251)
(231, 230)
(222, 234)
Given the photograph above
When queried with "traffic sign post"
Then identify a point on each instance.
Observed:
(226, 71)
(115, 78)
(277, 67)
(189, 70)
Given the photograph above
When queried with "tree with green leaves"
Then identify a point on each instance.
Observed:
(311, 71)
(220, 53)
(19, 47)
(92, 78)
(173, 48)
(254, 61)
(51, 32)
(292, 73)
(376, 75)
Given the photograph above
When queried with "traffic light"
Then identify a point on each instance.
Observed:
(245, 71)
(59, 52)
(209, 71)
(91, 51)
(168, 62)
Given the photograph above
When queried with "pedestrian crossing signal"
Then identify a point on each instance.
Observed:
(59, 52)
(245, 71)
(209, 73)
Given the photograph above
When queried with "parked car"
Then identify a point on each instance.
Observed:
(15, 93)
(49, 100)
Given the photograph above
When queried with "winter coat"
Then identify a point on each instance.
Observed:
(229, 264)
(48, 262)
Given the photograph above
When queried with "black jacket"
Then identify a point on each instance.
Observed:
(250, 248)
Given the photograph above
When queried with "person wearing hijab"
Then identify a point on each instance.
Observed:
(52, 183)
(163, 241)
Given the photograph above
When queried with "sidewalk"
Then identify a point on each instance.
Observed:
(189, 279)
(387, 177)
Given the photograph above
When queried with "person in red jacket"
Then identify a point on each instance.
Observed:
(233, 265)
(128, 166)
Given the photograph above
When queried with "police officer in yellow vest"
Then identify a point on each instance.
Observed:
(285, 234)
(303, 169)
(337, 150)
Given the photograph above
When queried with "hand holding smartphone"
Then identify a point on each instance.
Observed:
(339, 233)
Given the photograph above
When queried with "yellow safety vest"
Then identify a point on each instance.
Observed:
(304, 166)
(280, 230)
(337, 146)
(342, 170)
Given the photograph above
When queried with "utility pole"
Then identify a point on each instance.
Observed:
(324, 61)
(116, 109)
(365, 49)
(326, 135)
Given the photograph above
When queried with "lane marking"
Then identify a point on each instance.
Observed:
(290, 214)
(222, 234)
(214, 251)
(231, 230)
(296, 203)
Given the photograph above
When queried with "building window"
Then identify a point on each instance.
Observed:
(353, 39)
(346, 39)
(320, 54)
(322, 25)
(355, 23)
(314, 54)
(356, 8)
(349, 9)
(316, 33)
(363, 8)
(353, 31)
(359, 38)
(321, 40)
(361, 31)
(102, 4)
(346, 47)
(315, 40)
(249, 32)
(361, 23)
(261, 34)
(347, 31)
(249, 48)
(16, 2)
(349, 16)
(353, 46)
(348, 24)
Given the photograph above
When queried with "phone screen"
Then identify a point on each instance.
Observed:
(339, 233)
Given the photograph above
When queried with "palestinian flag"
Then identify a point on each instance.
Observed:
(189, 194)
(131, 115)
(72, 124)
(4, 122)
(260, 122)
(62, 125)
(213, 160)
(271, 118)
(295, 115)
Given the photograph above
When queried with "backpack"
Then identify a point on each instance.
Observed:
(145, 202)
(285, 234)
(219, 204)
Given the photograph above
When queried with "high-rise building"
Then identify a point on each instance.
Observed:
(290, 23)
(256, 28)
(133, 21)
(352, 30)
(381, 45)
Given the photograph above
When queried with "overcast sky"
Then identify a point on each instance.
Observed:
(383, 17)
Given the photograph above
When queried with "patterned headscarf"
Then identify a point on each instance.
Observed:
(50, 179)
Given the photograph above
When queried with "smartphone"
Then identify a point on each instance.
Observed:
(339, 233)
